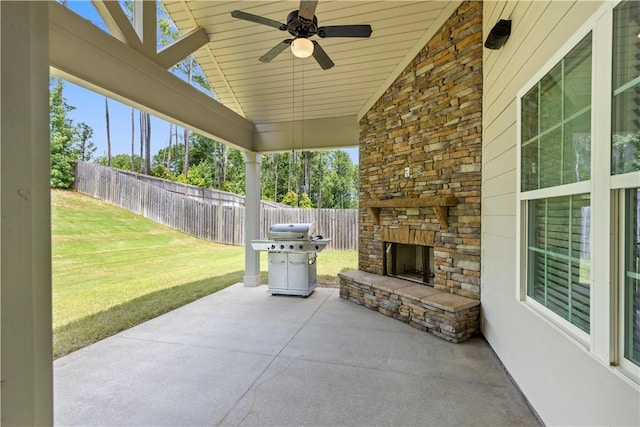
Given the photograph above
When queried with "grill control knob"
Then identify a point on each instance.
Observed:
(281, 246)
(317, 247)
(300, 246)
(290, 246)
(273, 246)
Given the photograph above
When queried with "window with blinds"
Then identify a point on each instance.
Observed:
(632, 277)
(559, 268)
(555, 155)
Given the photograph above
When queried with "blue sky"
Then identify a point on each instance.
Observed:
(90, 109)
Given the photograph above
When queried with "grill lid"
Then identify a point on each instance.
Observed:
(295, 231)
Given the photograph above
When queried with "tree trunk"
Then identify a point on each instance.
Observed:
(133, 141)
(276, 161)
(170, 142)
(141, 120)
(291, 160)
(186, 131)
(225, 163)
(147, 145)
(306, 164)
(185, 169)
(106, 113)
(320, 173)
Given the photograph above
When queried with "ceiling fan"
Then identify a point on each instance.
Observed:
(303, 24)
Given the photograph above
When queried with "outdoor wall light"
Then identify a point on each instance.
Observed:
(302, 47)
(499, 34)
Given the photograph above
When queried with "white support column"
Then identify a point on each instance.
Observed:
(25, 211)
(252, 163)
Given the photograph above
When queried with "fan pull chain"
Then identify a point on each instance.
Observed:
(302, 111)
(293, 107)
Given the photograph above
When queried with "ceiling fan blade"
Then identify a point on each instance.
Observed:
(345, 31)
(307, 9)
(276, 50)
(258, 19)
(321, 56)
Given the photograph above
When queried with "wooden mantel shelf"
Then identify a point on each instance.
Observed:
(440, 205)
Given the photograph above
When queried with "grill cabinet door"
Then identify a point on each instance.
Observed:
(277, 270)
(298, 271)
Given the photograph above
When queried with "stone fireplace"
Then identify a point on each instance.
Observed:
(420, 159)
(409, 262)
(420, 183)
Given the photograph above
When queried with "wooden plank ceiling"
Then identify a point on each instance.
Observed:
(291, 89)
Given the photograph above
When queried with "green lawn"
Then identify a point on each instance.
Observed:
(113, 269)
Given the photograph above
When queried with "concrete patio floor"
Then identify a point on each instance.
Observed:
(244, 357)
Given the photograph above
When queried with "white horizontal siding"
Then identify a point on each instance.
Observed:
(564, 382)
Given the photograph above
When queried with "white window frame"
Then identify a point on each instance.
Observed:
(616, 186)
(606, 340)
(523, 197)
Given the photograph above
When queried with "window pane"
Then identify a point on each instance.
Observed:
(632, 277)
(559, 266)
(625, 150)
(626, 89)
(577, 78)
(577, 149)
(530, 166)
(625, 42)
(556, 123)
(551, 159)
(551, 99)
(530, 114)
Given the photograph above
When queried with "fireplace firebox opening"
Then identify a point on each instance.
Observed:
(409, 262)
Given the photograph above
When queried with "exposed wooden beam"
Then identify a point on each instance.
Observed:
(118, 23)
(82, 53)
(181, 48)
(440, 205)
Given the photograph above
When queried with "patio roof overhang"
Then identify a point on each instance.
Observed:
(263, 107)
(260, 107)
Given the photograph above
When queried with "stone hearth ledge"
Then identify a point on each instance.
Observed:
(449, 316)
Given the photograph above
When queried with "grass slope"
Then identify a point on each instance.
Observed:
(113, 269)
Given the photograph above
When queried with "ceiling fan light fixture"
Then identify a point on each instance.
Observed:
(302, 47)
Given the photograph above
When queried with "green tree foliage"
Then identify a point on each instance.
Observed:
(161, 171)
(121, 161)
(62, 135)
(291, 199)
(85, 138)
(200, 175)
(176, 164)
(235, 179)
(305, 201)
(69, 143)
(343, 183)
(329, 178)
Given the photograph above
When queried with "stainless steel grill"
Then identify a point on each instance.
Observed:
(293, 250)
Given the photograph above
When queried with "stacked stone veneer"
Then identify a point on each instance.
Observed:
(429, 121)
(446, 315)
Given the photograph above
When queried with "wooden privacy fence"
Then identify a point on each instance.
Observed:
(212, 218)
